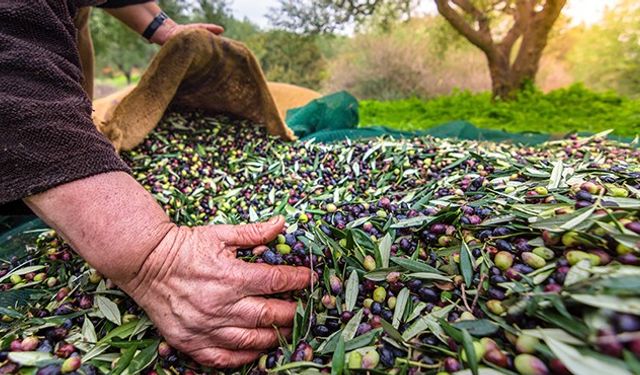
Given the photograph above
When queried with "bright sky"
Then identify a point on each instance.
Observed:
(587, 11)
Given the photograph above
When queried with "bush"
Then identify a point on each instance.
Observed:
(560, 111)
(411, 61)
(288, 57)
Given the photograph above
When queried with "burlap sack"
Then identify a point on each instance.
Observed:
(195, 70)
(285, 95)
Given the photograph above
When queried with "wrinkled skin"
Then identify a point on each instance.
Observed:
(208, 303)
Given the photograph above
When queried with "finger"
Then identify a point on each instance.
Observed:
(263, 279)
(214, 28)
(224, 358)
(234, 338)
(250, 235)
(260, 312)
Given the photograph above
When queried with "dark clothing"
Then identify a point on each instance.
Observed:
(47, 137)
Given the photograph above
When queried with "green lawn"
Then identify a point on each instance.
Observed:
(118, 82)
(561, 111)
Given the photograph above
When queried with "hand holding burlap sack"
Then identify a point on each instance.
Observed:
(197, 70)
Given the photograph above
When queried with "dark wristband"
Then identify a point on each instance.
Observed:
(154, 25)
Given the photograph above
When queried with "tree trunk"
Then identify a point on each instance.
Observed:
(125, 71)
(503, 85)
(127, 75)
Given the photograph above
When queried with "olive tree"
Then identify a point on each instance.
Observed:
(513, 57)
(512, 34)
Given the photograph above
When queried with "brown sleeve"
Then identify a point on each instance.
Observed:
(47, 137)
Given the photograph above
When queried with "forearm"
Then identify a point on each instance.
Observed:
(138, 16)
(109, 219)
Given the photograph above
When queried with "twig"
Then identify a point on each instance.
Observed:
(475, 299)
(464, 297)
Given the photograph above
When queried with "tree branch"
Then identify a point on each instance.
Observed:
(536, 36)
(522, 15)
(481, 38)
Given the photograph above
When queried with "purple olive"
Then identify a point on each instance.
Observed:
(452, 365)
(622, 322)
(634, 226)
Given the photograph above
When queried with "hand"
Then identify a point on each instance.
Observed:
(205, 302)
(170, 28)
(210, 305)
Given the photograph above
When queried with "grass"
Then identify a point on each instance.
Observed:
(118, 82)
(561, 111)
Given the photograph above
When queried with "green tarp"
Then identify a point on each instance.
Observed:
(335, 117)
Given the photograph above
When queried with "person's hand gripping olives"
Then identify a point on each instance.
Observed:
(205, 302)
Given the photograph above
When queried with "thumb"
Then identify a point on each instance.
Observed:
(250, 235)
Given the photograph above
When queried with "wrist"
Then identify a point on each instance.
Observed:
(157, 263)
(164, 32)
(109, 219)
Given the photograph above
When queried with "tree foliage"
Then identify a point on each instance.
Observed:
(289, 57)
(117, 48)
(328, 16)
(285, 56)
(607, 55)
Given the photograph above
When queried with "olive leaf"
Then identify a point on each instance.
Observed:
(119, 332)
(628, 305)
(429, 321)
(143, 359)
(417, 310)
(385, 250)
(466, 263)
(401, 303)
(565, 222)
(472, 357)
(429, 276)
(556, 175)
(253, 216)
(351, 327)
(33, 359)
(296, 365)
(578, 273)
(632, 361)
(337, 363)
(109, 309)
(478, 327)
(351, 291)
(125, 359)
(417, 221)
(581, 364)
(391, 331)
(415, 266)
(554, 333)
(89, 331)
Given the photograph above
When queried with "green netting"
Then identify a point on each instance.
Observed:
(335, 117)
(16, 232)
